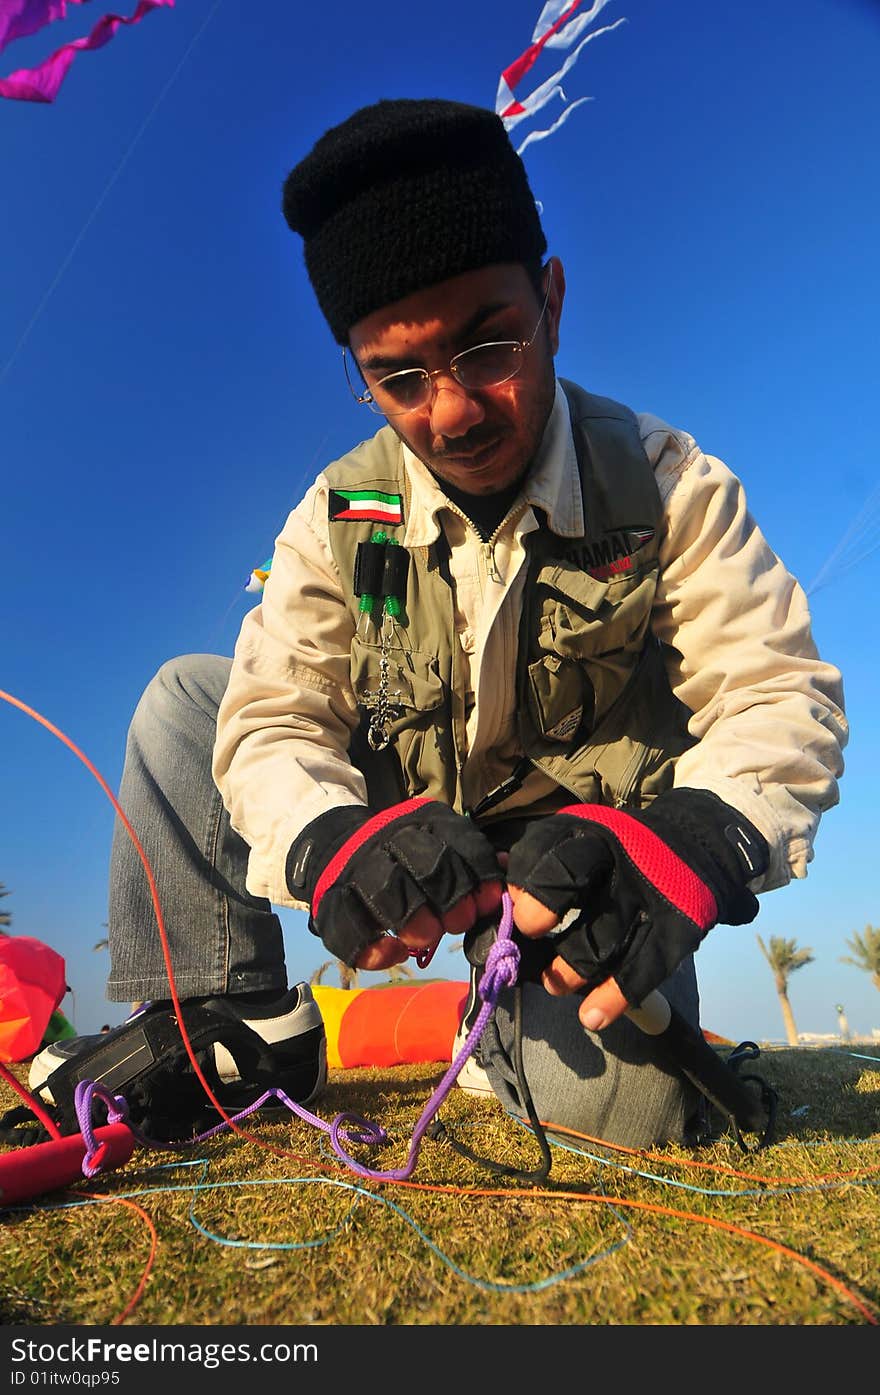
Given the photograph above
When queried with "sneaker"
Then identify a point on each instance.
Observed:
(243, 1049)
(471, 1078)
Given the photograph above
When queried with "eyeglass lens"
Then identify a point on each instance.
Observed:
(486, 365)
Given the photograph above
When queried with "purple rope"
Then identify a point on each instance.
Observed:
(502, 966)
(373, 1133)
(117, 1113)
(500, 972)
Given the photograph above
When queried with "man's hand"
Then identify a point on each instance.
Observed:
(383, 886)
(647, 888)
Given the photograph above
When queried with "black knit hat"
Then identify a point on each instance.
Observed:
(404, 194)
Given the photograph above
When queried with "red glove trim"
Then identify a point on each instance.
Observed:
(656, 861)
(337, 863)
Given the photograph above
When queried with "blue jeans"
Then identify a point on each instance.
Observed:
(223, 940)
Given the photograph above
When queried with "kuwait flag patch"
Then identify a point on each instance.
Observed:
(365, 506)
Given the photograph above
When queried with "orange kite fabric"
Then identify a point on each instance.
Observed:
(32, 983)
(401, 1024)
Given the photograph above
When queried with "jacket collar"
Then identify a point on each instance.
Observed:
(552, 485)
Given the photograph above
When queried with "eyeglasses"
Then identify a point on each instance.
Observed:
(483, 366)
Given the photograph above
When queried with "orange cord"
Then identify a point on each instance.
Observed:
(658, 1210)
(154, 1245)
(16, 702)
(601, 1200)
(721, 1168)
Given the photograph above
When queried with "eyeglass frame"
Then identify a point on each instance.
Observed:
(367, 398)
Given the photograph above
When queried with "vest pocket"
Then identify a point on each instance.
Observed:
(414, 685)
(559, 697)
(581, 617)
(589, 636)
(417, 725)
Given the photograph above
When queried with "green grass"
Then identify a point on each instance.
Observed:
(439, 1253)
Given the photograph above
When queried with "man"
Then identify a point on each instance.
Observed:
(520, 637)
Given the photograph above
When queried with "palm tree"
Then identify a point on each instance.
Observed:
(865, 952)
(5, 916)
(348, 977)
(784, 957)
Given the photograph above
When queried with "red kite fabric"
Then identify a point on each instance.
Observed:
(18, 18)
(33, 981)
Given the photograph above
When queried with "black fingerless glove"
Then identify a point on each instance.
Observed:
(649, 885)
(364, 873)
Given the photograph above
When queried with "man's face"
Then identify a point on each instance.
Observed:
(480, 440)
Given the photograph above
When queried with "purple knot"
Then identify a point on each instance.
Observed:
(117, 1112)
(502, 967)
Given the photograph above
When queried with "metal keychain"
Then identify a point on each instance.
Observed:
(380, 580)
(383, 704)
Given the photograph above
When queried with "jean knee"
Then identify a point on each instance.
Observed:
(184, 690)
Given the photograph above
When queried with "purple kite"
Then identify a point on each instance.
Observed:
(18, 18)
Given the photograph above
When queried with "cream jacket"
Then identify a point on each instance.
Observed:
(767, 710)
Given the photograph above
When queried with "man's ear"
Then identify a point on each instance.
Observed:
(554, 304)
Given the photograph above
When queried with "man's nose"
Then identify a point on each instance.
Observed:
(454, 410)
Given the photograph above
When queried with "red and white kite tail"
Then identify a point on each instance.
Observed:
(542, 135)
(542, 94)
(556, 28)
(554, 14)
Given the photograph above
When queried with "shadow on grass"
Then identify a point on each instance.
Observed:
(830, 1093)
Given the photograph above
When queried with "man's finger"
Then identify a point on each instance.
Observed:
(560, 978)
(422, 931)
(530, 915)
(603, 1006)
(488, 897)
(460, 917)
(382, 954)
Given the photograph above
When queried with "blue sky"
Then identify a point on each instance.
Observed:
(168, 388)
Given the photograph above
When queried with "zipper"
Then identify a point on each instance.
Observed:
(488, 551)
(637, 766)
